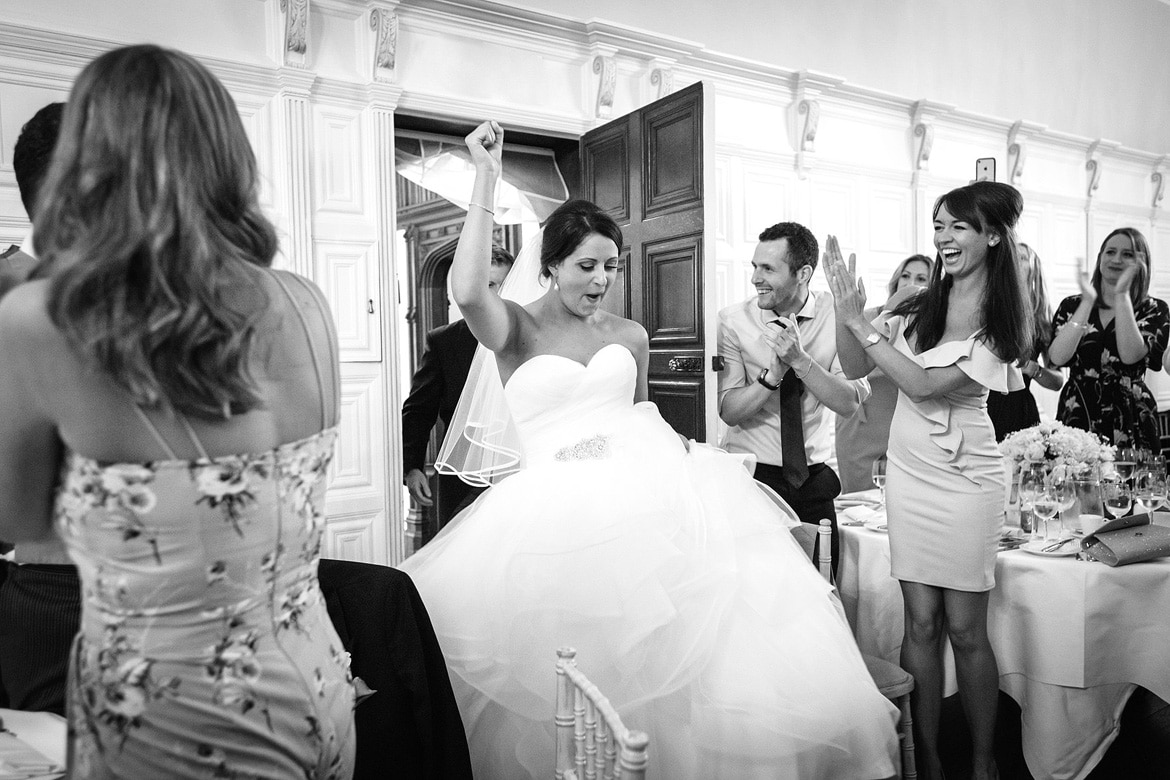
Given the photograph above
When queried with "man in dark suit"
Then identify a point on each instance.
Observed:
(40, 594)
(434, 393)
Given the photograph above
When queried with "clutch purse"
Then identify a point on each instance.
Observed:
(1128, 540)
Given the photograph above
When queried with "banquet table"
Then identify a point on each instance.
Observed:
(1073, 639)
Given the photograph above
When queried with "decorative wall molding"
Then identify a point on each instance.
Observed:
(808, 88)
(923, 115)
(296, 32)
(606, 69)
(292, 103)
(1158, 177)
(1093, 163)
(1017, 150)
(384, 23)
(661, 78)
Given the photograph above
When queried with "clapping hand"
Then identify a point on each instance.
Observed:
(1125, 281)
(785, 341)
(1088, 292)
(486, 145)
(848, 291)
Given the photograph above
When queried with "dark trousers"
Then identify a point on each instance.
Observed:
(812, 502)
(455, 495)
(40, 614)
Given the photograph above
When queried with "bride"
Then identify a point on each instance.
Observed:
(675, 577)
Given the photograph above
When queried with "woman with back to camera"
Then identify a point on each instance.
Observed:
(170, 403)
(1108, 336)
(945, 348)
(1017, 410)
(678, 581)
(862, 437)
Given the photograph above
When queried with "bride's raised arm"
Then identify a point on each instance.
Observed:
(488, 316)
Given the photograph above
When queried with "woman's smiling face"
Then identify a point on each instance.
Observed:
(961, 248)
(585, 276)
(1117, 254)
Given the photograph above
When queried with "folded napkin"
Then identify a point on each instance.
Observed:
(861, 515)
(18, 760)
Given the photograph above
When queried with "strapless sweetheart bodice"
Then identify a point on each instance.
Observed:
(559, 404)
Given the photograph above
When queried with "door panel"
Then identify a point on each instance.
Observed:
(646, 170)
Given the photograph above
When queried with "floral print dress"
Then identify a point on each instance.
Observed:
(205, 648)
(1103, 394)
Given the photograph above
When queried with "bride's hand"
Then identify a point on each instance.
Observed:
(486, 145)
(848, 291)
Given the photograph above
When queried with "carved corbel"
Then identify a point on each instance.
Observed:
(806, 118)
(384, 23)
(605, 66)
(1017, 151)
(296, 31)
(1158, 177)
(662, 80)
(1093, 163)
(925, 114)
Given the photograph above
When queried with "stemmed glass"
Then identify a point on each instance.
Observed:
(1032, 476)
(879, 477)
(1065, 491)
(1046, 508)
(1149, 489)
(1116, 498)
(1125, 463)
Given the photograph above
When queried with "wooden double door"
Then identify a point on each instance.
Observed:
(646, 169)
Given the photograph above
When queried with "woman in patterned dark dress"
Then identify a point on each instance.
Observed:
(1108, 336)
(1017, 410)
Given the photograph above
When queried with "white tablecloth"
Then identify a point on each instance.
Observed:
(42, 731)
(1072, 640)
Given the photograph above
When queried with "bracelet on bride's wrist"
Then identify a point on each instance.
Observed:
(481, 206)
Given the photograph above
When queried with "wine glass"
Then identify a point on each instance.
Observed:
(1065, 490)
(1046, 508)
(1149, 489)
(878, 474)
(1125, 462)
(1117, 498)
(1032, 476)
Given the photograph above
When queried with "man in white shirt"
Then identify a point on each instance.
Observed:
(781, 375)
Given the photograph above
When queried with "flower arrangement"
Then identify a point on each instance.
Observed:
(1065, 451)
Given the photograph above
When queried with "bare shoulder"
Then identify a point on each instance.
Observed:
(24, 313)
(628, 333)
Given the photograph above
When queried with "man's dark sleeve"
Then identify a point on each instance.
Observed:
(420, 410)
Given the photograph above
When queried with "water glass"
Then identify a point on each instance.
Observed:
(1046, 509)
(1116, 498)
(878, 474)
(1031, 483)
(1149, 489)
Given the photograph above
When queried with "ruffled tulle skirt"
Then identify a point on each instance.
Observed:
(688, 601)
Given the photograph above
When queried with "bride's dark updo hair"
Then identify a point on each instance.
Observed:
(568, 226)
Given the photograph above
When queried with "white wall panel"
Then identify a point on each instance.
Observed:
(347, 272)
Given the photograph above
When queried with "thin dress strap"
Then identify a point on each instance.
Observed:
(309, 336)
(158, 437)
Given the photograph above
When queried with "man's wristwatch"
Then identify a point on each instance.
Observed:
(761, 379)
(871, 339)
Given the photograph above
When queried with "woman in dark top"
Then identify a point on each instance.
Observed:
(1108, 336)
(1017, 410)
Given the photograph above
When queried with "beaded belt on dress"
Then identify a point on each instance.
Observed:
(593, 448)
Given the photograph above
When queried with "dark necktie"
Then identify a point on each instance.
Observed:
(795, 467)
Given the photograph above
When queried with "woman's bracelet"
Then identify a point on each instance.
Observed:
(481, 206)
(806, 369)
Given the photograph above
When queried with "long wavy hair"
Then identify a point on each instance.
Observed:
(149, 221)
(1038, 295)
(1140, 289)
(1006, 327)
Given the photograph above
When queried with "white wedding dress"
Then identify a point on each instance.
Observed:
(675, 578)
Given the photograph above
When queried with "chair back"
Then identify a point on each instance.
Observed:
(806, 535)
(592, 741)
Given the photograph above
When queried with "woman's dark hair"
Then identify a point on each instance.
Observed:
(149, 221)
(1140, 289)
(568, 226)
(1038, 295)
(892, 287)
(988, 207)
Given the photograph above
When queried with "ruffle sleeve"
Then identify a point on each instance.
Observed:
(975, 359)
